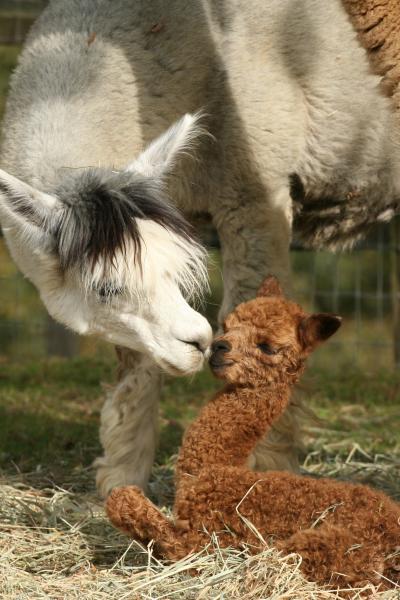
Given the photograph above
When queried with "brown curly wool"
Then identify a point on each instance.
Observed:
(377, 23)
(346, 534)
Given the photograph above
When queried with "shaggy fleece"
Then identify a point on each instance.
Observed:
(346, 534)
(378, 25)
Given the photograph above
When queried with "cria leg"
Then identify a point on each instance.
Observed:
(129, 510)
(129, 424)
(335, 554)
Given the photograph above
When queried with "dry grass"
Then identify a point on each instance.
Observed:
(58, 544)
(55, 541)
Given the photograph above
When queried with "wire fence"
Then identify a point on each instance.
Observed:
(16, 17)
(363, 285)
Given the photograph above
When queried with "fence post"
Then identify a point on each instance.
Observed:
(395, 277)
(60, 341)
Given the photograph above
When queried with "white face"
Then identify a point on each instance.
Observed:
(146, 310)
(139, 308)
(164, 326)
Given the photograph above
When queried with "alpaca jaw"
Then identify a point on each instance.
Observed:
(163, 326)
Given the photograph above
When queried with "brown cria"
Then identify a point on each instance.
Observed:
(347, 534)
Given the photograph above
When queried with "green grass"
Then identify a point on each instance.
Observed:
(356, 407)
(21, 9)
(49, 412)
(8, 61)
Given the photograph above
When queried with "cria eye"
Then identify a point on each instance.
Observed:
(266, 348)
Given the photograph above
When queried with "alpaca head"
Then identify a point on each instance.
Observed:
(111, 257)
(267, 340)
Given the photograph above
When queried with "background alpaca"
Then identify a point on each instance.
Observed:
(378, 24)
(347, 535)
(280, 83)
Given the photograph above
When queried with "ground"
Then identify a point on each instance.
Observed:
(54, 538)
(56, 542)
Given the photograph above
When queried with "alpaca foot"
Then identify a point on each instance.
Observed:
(110, 476)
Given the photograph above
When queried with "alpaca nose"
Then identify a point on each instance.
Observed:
(198, 345)
(220, 346)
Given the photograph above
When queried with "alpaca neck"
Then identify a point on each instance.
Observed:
(229, 427)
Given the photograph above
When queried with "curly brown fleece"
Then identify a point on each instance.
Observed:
(346, 534)
(378, 25)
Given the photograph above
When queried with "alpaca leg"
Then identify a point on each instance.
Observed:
(128, 429)
(255, 239)
(335, 554)
(129, 510)
(279, 449)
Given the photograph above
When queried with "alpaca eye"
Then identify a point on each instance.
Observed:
(107, 291)
(266, 348)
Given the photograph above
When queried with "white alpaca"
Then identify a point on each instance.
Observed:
(112, 258)
(302, 140)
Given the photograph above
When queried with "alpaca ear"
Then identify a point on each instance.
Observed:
(160, 156)
(317, 328)
(25, 208)
(270, 287)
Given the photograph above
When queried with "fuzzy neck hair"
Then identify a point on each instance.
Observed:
(236, 418)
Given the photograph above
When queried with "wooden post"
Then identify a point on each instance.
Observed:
(60, 341)
(395, 277)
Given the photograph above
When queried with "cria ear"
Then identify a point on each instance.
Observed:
(160, 156)
(24, 207)
(317, 328)
(270, 287)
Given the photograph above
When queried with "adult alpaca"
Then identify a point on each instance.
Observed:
(110, 256)
(280, 81)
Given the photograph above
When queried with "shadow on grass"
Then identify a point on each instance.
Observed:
(49, 417)
(57, 449)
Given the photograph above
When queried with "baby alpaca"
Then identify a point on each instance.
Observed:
(347, 534)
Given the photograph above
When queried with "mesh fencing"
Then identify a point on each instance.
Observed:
(363, 285)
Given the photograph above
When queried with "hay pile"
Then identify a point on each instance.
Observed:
(56, 544)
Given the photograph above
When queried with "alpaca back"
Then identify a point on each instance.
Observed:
(285, 84)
